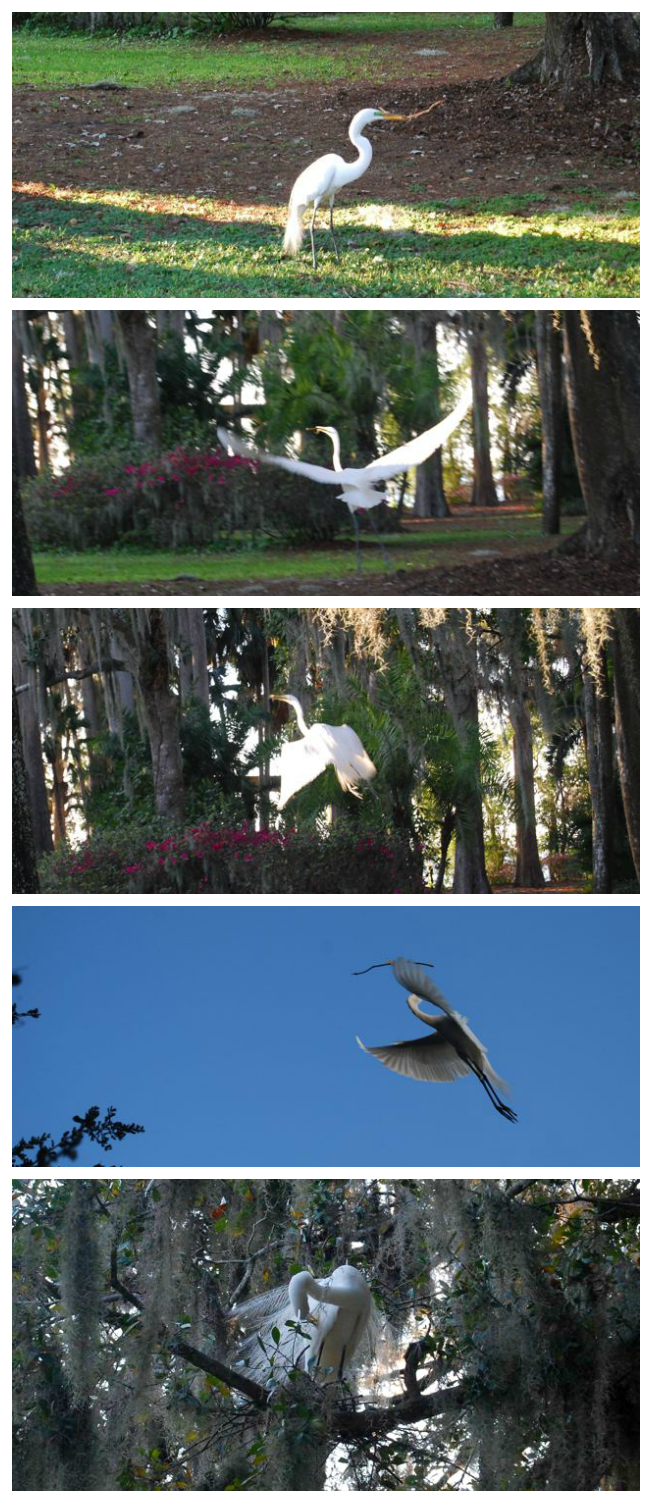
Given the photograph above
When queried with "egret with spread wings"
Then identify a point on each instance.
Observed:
(359, 486)
(322, 746)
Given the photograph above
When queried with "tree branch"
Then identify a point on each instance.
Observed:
(254, 1391)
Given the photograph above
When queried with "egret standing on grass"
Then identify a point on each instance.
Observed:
(322, 179)
(451, 1053)
(358, 486)
(322, 746)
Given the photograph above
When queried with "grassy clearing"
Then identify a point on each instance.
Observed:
(522, 534)
(107, 243)
(80, 243)
(53, 61)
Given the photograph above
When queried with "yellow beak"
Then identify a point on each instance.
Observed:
(394, 117)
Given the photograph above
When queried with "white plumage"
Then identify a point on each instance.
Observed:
(322, 746)
(323, 178)
(338, 1311)
(454, 1050)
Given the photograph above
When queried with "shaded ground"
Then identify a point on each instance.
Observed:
(544, 574)
(245, 147)
(553, 889)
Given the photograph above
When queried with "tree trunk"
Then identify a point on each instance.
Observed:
(548, 338)
(503, 18)
(459, 673)
(602, 362)
(144, 642)
(529, 872)
(24, 871)
(26, 462)
(140, 353)
(599, 756)
(32, 748)
(23, 577)
(447, 830)
(430, 497)
(484, 489)
(626, 661)
(582, 48)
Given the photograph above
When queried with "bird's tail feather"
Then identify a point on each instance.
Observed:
(293, 229)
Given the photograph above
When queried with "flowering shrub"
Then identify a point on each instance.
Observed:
(210, 858)
(106, 499)
(188, 497)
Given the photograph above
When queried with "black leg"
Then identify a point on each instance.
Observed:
(333, 234)
(381, 545)
(500, 1106)
(312, 237)
(356, 534)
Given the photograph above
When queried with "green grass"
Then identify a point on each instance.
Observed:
(114, 242)
(78, 243)
(115, 566)
(53, 60)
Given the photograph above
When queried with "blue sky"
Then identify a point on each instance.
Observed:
(230, 1033)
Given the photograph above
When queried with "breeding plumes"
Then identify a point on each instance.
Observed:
(359, 486)
(338, 1313)
(323, 178)
(451, 1053)
(322, 746)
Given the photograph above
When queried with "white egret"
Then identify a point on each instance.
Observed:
(323, 178)
(343, 1312)
(451, 1053)
(339, 1310)
(322, 746)
(334, 437)
(358, 486)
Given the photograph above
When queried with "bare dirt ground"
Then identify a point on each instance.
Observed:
(244, 146)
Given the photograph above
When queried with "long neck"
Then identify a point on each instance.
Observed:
(331, 1294)
(335, 440)
(296, 708)
(290, 700)
(424, 1017)
(363, 148)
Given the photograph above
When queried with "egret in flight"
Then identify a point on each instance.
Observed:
(322, 179)
(452, 1051)
(359, 486)
(334, 437)
(322, 746)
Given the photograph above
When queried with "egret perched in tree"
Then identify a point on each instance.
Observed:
(344, 1307)
(322, 746)
(358, 486)
(452, 1052)
(339, 1308)
(323, 178)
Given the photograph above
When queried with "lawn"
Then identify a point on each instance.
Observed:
(175, 182)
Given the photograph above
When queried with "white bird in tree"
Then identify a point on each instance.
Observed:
(359, 486)
(344, 1307)
(323, 178)
(451, 1052)
(339, 1310)
(322, 746)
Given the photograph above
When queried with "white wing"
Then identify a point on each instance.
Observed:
(412, 453)
(421, 1059)
(324, 746)
(296, 466)
(419, 448)
(301, 762)
(411, 976)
